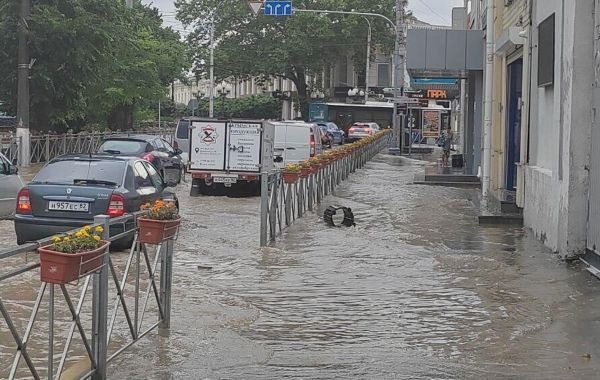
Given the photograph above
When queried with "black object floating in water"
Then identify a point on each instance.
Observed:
(348, 216)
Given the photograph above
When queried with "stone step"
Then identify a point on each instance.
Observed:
(468, 185)
(451, 178)
(501, 219)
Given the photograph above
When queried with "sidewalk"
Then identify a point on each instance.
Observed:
(418, 290)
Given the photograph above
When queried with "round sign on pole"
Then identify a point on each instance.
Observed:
(193, 104)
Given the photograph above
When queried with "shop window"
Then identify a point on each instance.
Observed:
(546, 41)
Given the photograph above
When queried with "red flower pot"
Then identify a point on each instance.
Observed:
(62, 268)
(156, 231)
(290, 177)
(304, 172)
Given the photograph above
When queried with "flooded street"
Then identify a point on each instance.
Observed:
(417, 290)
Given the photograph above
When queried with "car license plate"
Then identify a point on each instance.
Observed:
(68, 206)
(226, 180)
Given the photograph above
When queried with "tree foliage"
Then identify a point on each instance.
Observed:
(290, 47)
(93, 61)
(249, 107)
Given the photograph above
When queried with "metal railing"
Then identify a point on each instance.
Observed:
(45, 147)
(287, 202)
(9, 147)
(134, 291)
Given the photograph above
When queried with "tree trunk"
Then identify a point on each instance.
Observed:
(121, 117)
(299, 80)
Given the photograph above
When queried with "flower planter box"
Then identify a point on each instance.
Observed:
(63, 268)
(305, 172)
(157, 231)
(290, 177)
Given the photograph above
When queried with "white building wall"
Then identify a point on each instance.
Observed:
(556, 184)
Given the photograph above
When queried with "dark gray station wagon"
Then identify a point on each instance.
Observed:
(70, 190)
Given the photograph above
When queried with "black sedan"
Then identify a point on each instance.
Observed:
(70, 190)
(153, 149)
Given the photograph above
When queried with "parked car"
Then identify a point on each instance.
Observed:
(70, 190)
(10, 184)
(336, 134)
(360, 130)
(165, 158)
(326, 138)
(296, 141)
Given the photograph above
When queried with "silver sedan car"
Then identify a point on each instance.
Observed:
(10, 184)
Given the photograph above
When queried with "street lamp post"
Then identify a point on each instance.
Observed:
(211, 90)
(368, 68)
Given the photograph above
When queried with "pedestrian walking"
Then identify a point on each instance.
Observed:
(446, 144)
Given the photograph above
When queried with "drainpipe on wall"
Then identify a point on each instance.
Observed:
(489, 93)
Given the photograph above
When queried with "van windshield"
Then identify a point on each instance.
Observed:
(183, 129)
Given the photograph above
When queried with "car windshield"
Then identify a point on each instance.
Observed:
(73, 172)
(132, 147)
(183, 129)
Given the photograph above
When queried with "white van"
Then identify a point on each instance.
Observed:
(296, 141)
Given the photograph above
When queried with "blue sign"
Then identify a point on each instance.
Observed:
(278, 8)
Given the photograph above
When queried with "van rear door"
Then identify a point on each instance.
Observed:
(297, 143)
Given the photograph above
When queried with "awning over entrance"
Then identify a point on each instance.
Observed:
(444, 53)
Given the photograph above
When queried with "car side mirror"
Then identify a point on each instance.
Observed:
(15, 162)
(13, 169)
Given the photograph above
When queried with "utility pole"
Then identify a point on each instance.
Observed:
(23, 68)
(368, 68)
(399, 69)
(211, 89)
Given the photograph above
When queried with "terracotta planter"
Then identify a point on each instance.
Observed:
(290, 177)
(157, 231)
(304, 172)
(62, 268)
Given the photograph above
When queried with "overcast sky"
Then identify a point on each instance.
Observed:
(438, 12)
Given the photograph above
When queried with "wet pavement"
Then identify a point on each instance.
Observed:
(418, 290)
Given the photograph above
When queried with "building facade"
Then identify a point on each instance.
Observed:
(544, 133)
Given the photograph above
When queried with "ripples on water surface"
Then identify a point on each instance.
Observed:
(416, 291)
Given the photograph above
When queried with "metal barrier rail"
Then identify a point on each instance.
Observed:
(97, 347)
(9, 147)
(45, 147)
(287, 202)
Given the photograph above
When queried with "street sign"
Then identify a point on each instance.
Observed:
(404, 100)
(193, 104)
(278, 8)
(255, 6)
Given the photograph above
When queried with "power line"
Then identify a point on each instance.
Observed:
(434, 11)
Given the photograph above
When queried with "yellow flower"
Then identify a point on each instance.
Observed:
(67, 239)
(79, 234)
(96, 237)
(87, 228)
(99, 229)
(56, 239)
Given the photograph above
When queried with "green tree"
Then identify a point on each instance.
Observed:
(93, 60)
(291, 47)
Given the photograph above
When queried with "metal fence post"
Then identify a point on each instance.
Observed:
(47, 150)
(166, 280)
(264, 207)
(100, 307)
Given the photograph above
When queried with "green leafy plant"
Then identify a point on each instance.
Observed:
(161, 210)
(86, 239)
